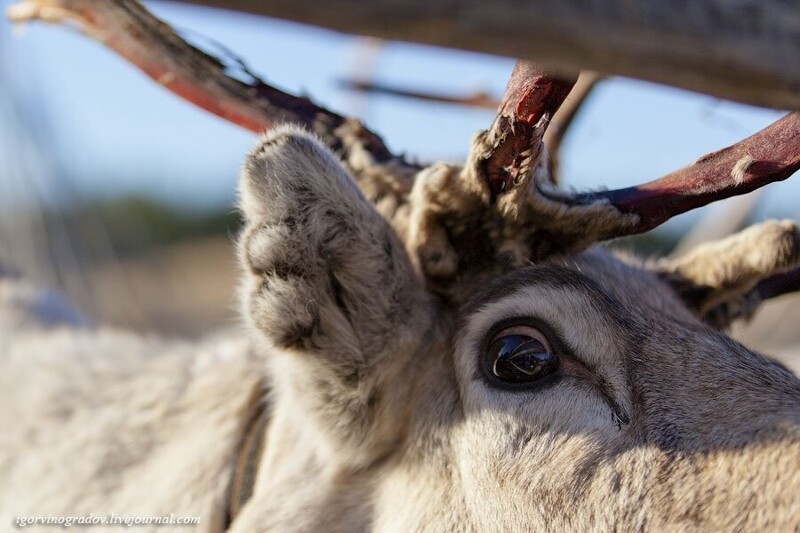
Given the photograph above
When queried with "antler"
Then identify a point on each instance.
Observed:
(514, 141)
(557, 126)
(477, 217)
(772, 154)
(501, 207)
(129, 29)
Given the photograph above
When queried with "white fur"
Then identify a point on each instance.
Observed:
(102, 421)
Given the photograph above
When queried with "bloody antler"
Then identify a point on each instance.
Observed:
(134, 33)
(534, 218)
(550, 220)
(772, 154)
(513, 142)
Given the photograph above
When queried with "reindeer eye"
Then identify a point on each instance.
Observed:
(520, 354)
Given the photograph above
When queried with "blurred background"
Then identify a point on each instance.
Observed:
(122, 195)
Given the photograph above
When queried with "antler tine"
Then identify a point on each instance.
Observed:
(772, 154)
(556, 221)
(556, 127)
(134, 33)
(459, 216)
(506, 153)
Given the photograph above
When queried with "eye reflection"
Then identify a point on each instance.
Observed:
(521, 354)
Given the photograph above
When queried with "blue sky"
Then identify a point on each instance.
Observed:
(115, 132)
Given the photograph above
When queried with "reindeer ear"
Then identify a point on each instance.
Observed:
(723, 280)
(328, 282)
(311, 234)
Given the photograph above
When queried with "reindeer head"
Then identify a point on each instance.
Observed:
(456, 359)
(448, 353)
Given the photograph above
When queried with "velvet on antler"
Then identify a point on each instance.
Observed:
(500, 209)
(514, 141)
(505, 209)
(556, 128)
(720, 281)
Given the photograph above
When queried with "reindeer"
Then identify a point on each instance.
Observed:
(440, 349)
(576, 392)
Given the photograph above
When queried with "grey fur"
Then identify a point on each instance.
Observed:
(678, 428)
(369, 311)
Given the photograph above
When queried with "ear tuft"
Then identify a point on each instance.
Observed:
(286, 161)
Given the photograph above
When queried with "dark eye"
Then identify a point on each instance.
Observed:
(520, 354)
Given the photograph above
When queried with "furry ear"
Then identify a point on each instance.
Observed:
(719, 280)
(327, 281)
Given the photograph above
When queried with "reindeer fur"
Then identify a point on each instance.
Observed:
(380, 418)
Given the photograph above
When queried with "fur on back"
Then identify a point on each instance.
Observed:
(99, 421)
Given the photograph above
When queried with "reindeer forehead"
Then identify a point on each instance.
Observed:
(547, 276)
(570, 301)
(615, 285)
